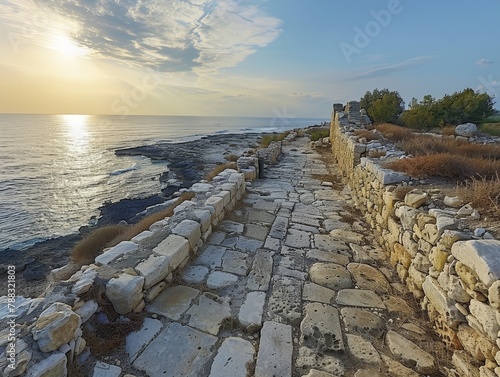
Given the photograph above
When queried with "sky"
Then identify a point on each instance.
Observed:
(286, 58)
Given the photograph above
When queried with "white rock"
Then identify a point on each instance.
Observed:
(123, 248)
(175, 248)
(106, 370)
(87, 310)
(233, 359)
(190, 230)
(125, 292)
(53, 366)
(466, 129)
(481, 256)
(250, 315)
(154, 269)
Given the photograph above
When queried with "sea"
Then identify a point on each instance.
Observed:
(57, 170)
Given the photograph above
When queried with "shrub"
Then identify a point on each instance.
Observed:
(383, 105)
(490, 129)
(318, 133)
(269, 138)
(446, 165)
(484, 194)
(220, 168)
(231, 157)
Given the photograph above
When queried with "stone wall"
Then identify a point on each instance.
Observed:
(48, 330)
(454, 273)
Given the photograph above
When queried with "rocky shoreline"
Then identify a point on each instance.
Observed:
(188, 162)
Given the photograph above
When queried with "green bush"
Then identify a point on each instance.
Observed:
(318, 133)
(383, 106)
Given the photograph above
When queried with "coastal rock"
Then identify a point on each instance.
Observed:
(466, 129)
(125, 292)
(56, 326)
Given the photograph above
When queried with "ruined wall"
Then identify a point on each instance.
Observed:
(46, 336)
(453, 273)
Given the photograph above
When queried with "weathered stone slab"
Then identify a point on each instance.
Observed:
(125, 292)
(211, 257)
(231, 227)
(216, 202)
(220, 279)
(275, 351)
(209, 313)
(258, 232)
(260, 216)
(487, 318)
(298, 239)
(234, 358)
(317, 293)
(272, 244)
(195, 274)
(481, 256)
(265, 205)
(142, 236)
(173, 301)
(248, 245)
(137, 340)
(175, 248)
(123, 248)
(54, 365)
(362, 350)
(182, 350)
(328, 243)
(409, 353)
(330, 275)
(235, 262)
(320, 329)
(368, 277)
(362, 321)
(285, 298)
(328, 256)
(250, 315)
(347, 236)
(398, 369)
(279, 228)
(317, 373)
(260, 275)
(359, 297)
(309, 358)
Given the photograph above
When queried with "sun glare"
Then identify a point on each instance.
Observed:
(66, 46)
(76, 130)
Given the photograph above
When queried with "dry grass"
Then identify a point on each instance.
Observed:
(447, 165)
(94, 243)
(231, 157)
(219, 169)
(393, 132)
(368, 135)
(318, 133)
(85, 251)
(484, 194)
(448, 131)
(269, 138)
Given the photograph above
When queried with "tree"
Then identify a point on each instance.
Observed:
(383, 105)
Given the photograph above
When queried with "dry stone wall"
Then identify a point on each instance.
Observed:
(453, 273)
(46, 336)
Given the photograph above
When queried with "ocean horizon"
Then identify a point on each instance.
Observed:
(57, 170)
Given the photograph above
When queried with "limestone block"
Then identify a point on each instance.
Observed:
(409, 243)
(204, 217)
(155, 291)
(125, 292)
(476, 344)
(481, 256)
(438, 257)
(217, 203)
(461, 361)
(417, 277)
(407, 215)
(486, 316)
(154, 269)
(190, 230)
(443, 304)
(494, 295)
(87, 310)
(451, 284)
(393, 227)
(466, 275)
(142, 236)
(233, 358)
(226, 197)
(416, 198)
(57, 325)
(430, 233)
(409, 353)
(486, 372)
(449, 237)
(53, 366)
(123, 248)
(400, 255)
(421, 263)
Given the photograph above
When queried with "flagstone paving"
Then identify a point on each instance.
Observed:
(285, 288)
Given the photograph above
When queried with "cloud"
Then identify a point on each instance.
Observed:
(484, 62)
(169, 35)
(391, 68)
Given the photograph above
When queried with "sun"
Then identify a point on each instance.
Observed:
(66, 46)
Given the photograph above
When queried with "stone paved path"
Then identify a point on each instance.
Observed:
(288, 285)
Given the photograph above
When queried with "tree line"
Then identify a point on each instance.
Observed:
(385, 106)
